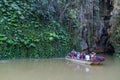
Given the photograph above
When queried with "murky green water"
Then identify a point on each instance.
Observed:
(58, 69)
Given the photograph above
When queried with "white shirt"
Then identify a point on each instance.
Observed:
(87, 57)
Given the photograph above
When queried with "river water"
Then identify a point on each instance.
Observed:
(58, 69)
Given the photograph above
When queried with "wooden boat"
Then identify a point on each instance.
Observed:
(83, 61)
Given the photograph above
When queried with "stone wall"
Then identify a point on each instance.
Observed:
(94, 16)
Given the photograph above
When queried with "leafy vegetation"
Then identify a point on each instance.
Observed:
(115, 38)
(115, 30)
(34, 29)
(41, 28)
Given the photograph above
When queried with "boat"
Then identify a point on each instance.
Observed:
(82, 57)
(84, 61)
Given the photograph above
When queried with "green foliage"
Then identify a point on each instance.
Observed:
(115, 38)
(32, 30)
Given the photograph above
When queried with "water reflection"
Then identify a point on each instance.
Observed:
(79, 67)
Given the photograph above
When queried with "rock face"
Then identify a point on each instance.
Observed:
(115, 15)
(115, 25)
(94, 17)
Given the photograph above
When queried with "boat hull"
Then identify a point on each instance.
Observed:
(83, 61)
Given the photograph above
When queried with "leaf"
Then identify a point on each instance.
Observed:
(1, 42)
(22, 17)
(3, 39)
(50, 38)
(26, 42)
(10, 41)
(15, 6)
(36, 40)
(2, 35)
(2, 20)
(19, 12)
(5, 1)
(32, 45)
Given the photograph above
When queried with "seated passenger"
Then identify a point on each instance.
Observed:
(87, 57)
(73, 54)
(78, 55)
(92, 55)
(82, 55)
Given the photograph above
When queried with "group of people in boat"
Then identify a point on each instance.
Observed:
(84, 55)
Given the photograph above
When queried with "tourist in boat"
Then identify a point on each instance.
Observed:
(75, 55)
(87, 57)
(68, 55)
(96, 58)
(82, 55)
(78, 55)
(72, 54)
(93, 56)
